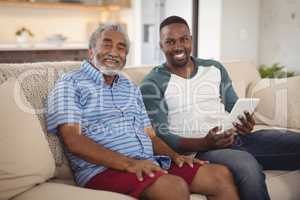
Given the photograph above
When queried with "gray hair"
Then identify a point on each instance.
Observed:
(108, 27)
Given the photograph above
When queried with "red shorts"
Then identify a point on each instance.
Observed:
(127, 183)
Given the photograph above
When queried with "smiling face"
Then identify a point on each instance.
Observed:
(110, 51)
(176, 43)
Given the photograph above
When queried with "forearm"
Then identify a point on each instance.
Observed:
(183, 145)
(192, 144)
(161, 148)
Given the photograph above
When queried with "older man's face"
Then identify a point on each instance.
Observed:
(110, 50)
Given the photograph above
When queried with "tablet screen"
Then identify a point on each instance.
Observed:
(243, 104)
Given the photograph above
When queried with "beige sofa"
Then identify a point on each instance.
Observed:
(34, 167)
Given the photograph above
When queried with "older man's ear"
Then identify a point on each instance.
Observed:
(90, 54)
(160, 44)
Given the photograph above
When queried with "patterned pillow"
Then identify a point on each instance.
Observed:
(279, 101)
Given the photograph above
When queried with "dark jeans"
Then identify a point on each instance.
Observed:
(251, 154)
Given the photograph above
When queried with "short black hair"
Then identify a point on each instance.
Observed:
(173, 20)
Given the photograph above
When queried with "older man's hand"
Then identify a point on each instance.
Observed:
(144, 167)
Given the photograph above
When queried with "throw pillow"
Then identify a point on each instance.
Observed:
(25, 156)
(279, 101)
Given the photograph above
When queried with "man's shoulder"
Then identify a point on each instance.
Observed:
(72, 76)
(208, 63)
(157, 75)
(214, 63)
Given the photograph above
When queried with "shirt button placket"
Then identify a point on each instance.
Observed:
(114, 92)
(136, 130)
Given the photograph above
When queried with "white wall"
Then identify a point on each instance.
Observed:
(150, 16)
(240, 30)
(182, 8)
(228, 29)
(209, 32)
(259, 31)
(136, 39)
(280, 33)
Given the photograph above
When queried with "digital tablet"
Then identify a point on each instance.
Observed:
(243, 104)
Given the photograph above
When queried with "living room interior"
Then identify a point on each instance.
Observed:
(260, 31)
(256, 40)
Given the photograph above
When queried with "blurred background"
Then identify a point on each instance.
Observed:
(260, 31)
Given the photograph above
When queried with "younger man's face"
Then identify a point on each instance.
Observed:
(176, 43)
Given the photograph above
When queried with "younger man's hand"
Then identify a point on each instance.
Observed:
(246, 124)
(215, 140)
(180, 160)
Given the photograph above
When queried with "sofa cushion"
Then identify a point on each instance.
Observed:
(26, 159)
(51, 191)
(283, 184)
(279, 101)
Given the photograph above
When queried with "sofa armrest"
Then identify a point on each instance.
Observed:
(279, 101)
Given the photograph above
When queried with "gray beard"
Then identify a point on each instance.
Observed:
(106, 70)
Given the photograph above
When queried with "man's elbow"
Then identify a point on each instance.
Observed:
(70, 142)
(71, 139)
(73, 144)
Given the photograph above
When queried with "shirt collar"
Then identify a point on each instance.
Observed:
(94, 73)
(197, 64)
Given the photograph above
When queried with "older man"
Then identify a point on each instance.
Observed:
(101, 119)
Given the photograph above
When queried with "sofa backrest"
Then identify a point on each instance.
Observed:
(137, 73)
(37, 79)
(242, 74)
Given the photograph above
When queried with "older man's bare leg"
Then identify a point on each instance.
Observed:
(167, 187)
(215, 182)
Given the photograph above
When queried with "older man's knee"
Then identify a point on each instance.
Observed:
(176, 186)
(223, 177)
(223, 173)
